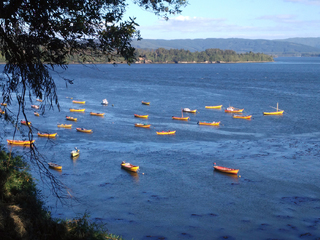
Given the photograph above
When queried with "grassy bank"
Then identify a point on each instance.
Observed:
(23, 215)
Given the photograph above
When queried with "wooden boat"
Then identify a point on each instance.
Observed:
(84, 130)
(3, 104)
(39, 100)
(71, 118)
(145, 103)
(242, 117)
(214, 107)
(226, 170)
(278, 112)
(75, 153)
(96, 114)
(141, 116)
(35, 106)
(55, 166)
(105, 102)
(142, 125)
(209, 123)
(65, 125)
(129, 167)
(166, 133)
(48, 135)
(181, 118)
(77, 110)
(233, 110)
(36, 114)
(188, 110)
(78, 102)
(25, 123)
(20, 142)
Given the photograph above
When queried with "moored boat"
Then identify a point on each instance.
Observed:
(78, 102)
(105, 102)
(188, 110)
(2, 111)
(77, 110)
(20, 142)
(36, 114)
(145, 103)
(65, 125)
(48, 135)
(71, 118)
(75, 153)
(141, 116)
(84, 130)
(96, 114)
(55, 166)
(209, 123)
(214, 107)
(233, 110)
(129, 167)
(278, 112)
(242, 116)
(142, 125)
(4, 104)
(166, 133)
(35, 106)
(25, 123)
(181, 118)
(39, 100)
(226, 170)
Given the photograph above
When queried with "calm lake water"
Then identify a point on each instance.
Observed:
(177, 194)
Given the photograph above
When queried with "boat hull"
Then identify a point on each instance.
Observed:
(84, 130)
(20, 142)
(79, 102)
(214, 107)
(71, 119)
(55, 166)
(226, 170)
(190, 111)
(242, 117)
(145, 103)
(142, 125)
(97, 114)
(48, 135)
(209, 123)
(65, 125)
(141, 116)
(181, 118)
(129, 167)
(166, 133)
(77, 110)
(234, 111)
(273, 113)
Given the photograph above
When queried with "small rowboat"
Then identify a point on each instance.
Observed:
(35, 106)
(2, 111)
(25, 123)
(105, 102)
(36, 114)
(39, 100)
(278, 112)
(226, 170)
(145, 103)
(142, 125)
(78, 102)
(77, 110)
(65, 125)
(75, 153)
(20, 142)
(233, 110)
(214, 107)
(181, 118)
(209, 123)
(96, 114)
(3, 104)
(189, 110)
(55, 166)
(71, 118)
(84, 130)
(129, 167)
(166, 133)
(242, 117)
(48, 135)
(141, 116)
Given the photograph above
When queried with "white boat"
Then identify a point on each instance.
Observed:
(105, 102)
(75, 153)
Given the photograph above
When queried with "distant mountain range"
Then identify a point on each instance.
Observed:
(290, 46)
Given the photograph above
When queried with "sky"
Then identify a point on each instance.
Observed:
(250, 19)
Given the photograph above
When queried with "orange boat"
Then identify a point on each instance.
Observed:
(78, 102)
(129, 167)
(48, 135)
(141, 116)
(71, 118)
(145, 103)
(55, 166)
(25, 123)
(242, 117)
(2, 111)
(39, 100)
(142, 125)
(84, 130)
(226, 170)
(96, 114)
(233, 110)
(180, 118)
(36, 114)
(209, 123)
(214, 107)
(3, 104)
(166, 133)
(77, 110)
(65, 125)
(20, 142)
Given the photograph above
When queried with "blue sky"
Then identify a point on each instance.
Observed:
(252, 19)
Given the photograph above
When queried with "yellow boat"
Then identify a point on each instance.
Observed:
(75, 153)
(2, 111)
(166, 133)
(3, 104)
(78, 102)
(55, 166)
(278, 112)
(145, 103)
(214, 107)
(84, 130)
(129, 167)
(36, 114)
(209, 123)
(96, 114)
(141, 116)
(142, 125)
(188, 110)
(71, 118)
(39, 100)
(242, 117)
(65, 125)
(20, 142)
(181, 118)
(25, 123)
(233, 110)
(226, 170)
(77, 110)
(48, 135)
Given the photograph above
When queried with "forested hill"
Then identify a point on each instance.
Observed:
(274, 47)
